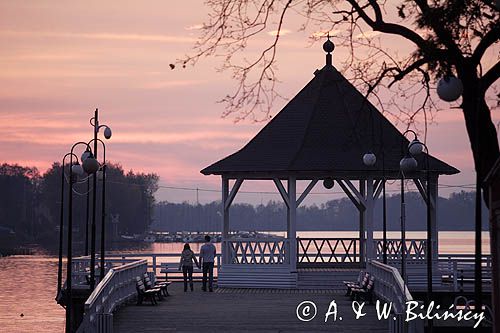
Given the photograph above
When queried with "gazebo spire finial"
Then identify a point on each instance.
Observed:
(328, 47)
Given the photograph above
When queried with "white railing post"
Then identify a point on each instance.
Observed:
(455, 277)
(104, 322)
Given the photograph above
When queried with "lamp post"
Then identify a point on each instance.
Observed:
(369, 159)
(61, 226)
(407, 164)
(84, 156)
(384, 213)
(94, 121)
(416, 147)
(88, 167)
(103, 208)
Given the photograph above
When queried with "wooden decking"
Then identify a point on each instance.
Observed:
(231, 310)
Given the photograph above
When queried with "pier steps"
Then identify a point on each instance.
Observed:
(236, 277)
(325, 278)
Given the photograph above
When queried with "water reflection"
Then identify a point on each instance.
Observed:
(27, 297)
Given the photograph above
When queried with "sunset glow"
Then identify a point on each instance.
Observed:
(60, 62)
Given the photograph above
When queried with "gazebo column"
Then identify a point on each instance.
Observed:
(370, 246)
(227, 200)
(292, 221)
(225, 219)
(358, 198)
(433, 198)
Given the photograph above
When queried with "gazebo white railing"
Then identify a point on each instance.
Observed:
(328, 251)
(269, 251)
(415, 249)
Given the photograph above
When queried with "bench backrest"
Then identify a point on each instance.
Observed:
(147, 282)
(369, 286)
(139, 285)
(366, 280)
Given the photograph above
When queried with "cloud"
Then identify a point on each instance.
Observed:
(171, 84)
(55, 132)
(194, 27)
(322, 34)
(367, 35)
(102, 36)
(282, 32)
(180, 137)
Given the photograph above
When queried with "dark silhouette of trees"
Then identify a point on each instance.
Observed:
(455, 213)
(30, 203)
(17, 198)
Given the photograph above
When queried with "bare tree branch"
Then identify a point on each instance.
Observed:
(489, 38)
(390, 28)
(491, 76)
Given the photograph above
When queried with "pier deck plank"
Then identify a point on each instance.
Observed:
(236, 310)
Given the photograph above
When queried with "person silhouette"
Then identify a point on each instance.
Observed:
(207, 257)
(186, 263)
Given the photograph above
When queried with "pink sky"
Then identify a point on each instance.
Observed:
(60, 61)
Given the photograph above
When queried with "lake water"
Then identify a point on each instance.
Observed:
(29, 282)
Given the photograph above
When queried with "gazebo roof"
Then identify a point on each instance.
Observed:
(324, 130)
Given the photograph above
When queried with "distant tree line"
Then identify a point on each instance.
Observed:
(454, 213)
(30, 202)
(30, 205)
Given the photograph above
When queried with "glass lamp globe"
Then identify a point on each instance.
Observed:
(107, 132)
(77, 169)
(328, 183)
(416, 147)
(408, 164)
(449, 88)
(369, 159)
(90, 165)
(86, 154)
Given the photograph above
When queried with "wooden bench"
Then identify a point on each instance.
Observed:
(364, 293)
(152, 284)
(146, 294)
(173, 268)
(362, 282)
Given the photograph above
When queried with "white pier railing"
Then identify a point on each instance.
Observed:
(458, 270)
(390, 287)
(80, 271)
(158, 261)
(117, 287)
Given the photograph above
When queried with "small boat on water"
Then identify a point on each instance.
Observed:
(150, 239)
(128, 238)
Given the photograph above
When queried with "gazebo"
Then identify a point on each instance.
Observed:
(322, 134)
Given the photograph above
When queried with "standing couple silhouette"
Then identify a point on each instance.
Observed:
(207, 258)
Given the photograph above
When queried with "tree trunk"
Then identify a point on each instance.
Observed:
(480, 127)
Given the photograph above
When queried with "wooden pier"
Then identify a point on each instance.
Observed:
(240, 303)
(231, 310)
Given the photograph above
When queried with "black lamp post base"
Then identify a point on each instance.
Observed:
(79, 296)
